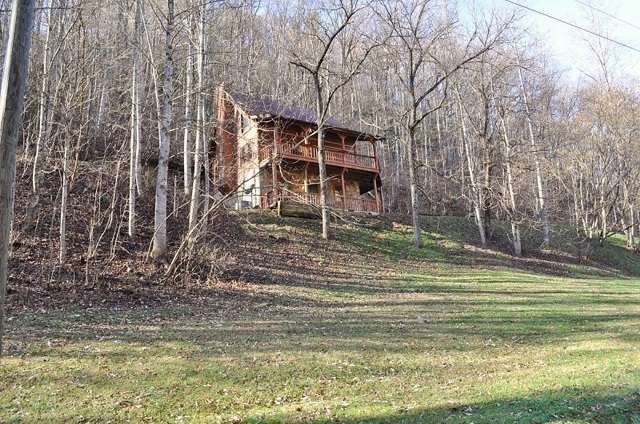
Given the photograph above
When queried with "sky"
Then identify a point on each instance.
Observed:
(568, 46)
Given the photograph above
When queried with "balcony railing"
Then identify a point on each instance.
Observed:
(342, 158)
(350, 203)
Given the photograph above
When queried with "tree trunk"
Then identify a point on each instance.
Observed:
(100, 109)
(137, 40)
(604, 229)
(486, 194)
(186, 147)
(132, 160)
(324, 192)
(136, 124)
(201, 109)
(632, 227)
(199, 136)
(515, 228)
(322, 167)
(206, 168)
(62, 252)
(415, 218)
(195, 186)
(11, 109)
(476, 192)
(160, 217)
(43, 108)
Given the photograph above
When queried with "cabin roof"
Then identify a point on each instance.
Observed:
(265, 107)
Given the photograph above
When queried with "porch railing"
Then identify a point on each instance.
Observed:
(343, 158)
(350, 203)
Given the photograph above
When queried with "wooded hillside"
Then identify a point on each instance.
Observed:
(475, 117)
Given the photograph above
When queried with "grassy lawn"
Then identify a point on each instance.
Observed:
(363, 329)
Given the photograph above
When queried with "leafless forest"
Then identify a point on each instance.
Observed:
(474, 118)
(474, 252)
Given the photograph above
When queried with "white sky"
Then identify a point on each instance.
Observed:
(568, 46)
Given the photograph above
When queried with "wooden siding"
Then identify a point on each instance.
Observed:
(247, 148)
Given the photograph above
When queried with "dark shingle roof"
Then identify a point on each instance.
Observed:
(257, 106)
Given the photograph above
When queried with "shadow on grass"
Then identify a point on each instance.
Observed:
(296, 291)
(602, 404)
(335, 277)
(447, 241)
(382, 326)
(451, 248)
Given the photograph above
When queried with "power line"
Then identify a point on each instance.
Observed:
(604, 37)
(604, 12)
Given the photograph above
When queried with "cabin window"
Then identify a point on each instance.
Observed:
(313, 188)
(249, 190)
(246, 152)
(245, 124)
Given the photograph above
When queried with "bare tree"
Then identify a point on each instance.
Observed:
(164, 123)
(44, 98)
(200, 151)
(325, 29)
(188, 119)
(540, 189)
(512, 207)
(470, 158)
(11, 104)
(423, 43)
(136, 124)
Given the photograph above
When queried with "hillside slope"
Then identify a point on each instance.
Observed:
(103, 266)
(363, 328)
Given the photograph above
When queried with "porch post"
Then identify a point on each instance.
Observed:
(306, 177)
(375, 189)
(274, 170)
(381, 201)
(344, 191)
(375, 154)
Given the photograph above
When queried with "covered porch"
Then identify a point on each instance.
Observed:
(348, 189)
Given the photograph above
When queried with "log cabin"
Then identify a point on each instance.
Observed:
(268, 154)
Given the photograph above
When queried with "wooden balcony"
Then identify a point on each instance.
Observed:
(349, 203)
(342, 158)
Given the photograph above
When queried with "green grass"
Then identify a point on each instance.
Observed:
(380, 333)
